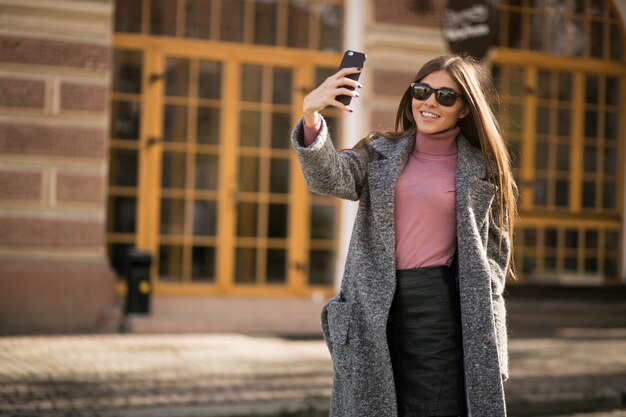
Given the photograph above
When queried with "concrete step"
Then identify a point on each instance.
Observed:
(296, 317)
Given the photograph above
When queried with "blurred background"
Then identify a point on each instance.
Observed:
(147, 187)
(162, 127)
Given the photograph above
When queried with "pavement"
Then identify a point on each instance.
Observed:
(581, 373)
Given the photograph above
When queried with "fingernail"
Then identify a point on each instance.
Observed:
(360, 85)
(360, 68)
(356, 94)
(351, 111)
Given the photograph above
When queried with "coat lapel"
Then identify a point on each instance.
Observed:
(480, 350)
(473, 193)
(382, 176)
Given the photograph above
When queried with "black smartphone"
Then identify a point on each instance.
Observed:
(351, 59)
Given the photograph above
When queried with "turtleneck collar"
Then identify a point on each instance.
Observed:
(441, 144)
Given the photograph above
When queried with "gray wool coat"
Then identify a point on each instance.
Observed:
(354, 321)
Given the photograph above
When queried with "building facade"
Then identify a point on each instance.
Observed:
(164, 125)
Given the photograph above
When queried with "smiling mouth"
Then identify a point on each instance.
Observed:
(428, 115)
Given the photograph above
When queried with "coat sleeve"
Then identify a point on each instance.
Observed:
(498, 254)
(327, 171)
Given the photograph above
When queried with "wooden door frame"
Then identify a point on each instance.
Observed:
(155, 51)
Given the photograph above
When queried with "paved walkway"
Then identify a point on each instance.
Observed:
(614, 413)
(237, 375)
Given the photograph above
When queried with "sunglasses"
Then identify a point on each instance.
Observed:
(444, 96)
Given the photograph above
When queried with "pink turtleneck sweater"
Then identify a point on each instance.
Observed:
(425, 203)
(425, 200)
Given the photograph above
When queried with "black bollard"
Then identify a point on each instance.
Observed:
(137, 273)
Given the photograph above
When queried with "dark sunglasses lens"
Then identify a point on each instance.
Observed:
(421, 92)
(446, 97)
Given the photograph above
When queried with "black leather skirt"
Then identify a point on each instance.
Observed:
(424, 336)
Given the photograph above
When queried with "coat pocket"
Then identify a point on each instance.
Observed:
(336, 320)
(339, 316)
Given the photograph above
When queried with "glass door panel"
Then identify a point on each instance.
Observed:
(600, 192)
(264, 162)
(567, 249)
(190, 162)
(552, 139)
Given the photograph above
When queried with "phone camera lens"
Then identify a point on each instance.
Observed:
(350, 53)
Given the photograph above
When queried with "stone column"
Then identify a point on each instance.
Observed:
(55, 67)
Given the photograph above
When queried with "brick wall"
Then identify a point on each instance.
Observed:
(54, 79)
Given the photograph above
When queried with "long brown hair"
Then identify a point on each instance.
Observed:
(480, 128)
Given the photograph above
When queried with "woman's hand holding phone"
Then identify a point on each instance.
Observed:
(326, 94)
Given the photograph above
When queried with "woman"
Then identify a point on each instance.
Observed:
(418, 327)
